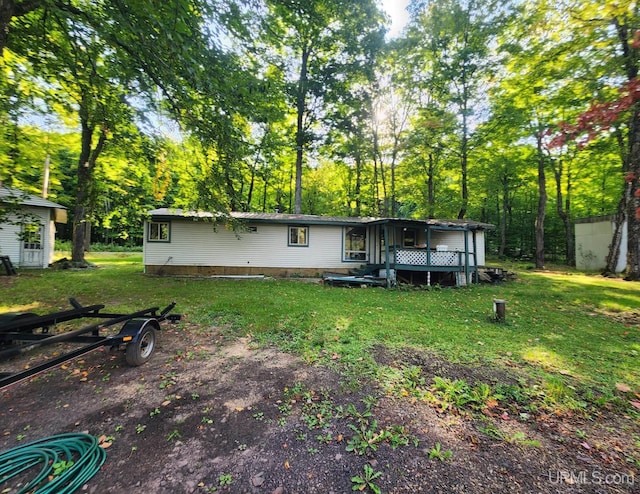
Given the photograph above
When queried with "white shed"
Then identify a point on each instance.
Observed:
(593, 239)
(27, 228)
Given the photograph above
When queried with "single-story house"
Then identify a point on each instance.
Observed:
(298, 245)
(593, 239)
(27, 227)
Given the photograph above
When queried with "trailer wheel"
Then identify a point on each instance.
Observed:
(139, 351)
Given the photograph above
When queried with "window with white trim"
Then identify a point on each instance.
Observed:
(355, 243)
(298, 236)
(159, 231)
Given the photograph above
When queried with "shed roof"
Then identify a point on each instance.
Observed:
(8, 194)
(168, 213)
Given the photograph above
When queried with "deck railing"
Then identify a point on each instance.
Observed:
(418, 257)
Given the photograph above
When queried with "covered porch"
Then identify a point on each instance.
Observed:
(429, 251)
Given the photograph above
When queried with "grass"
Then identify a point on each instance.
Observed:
(556, 327)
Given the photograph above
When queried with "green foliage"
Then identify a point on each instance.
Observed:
(518, 437)
(366, 438)
(366, 480)
(436, 453)
(61, 466)
(225, 479)
(418, 126)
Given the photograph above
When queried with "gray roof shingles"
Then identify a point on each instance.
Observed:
(313, 219)
(8, 194)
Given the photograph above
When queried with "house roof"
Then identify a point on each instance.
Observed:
(309, 219)
(8, 194)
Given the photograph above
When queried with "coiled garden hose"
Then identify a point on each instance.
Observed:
(66, 462)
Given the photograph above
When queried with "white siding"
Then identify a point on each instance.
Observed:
(10, 244)
(480, 246)
(197, 244)
(454, 240)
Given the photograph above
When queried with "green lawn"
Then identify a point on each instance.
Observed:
(557, 323)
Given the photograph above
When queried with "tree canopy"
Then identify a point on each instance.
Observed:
(524, 115)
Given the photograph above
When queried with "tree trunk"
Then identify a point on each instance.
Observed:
(563, 205)
(542, 206)
(630, 61)
(7, 8)
(431, 187)
(10, 9)
(378, 165)
(301, 139)
(633, 206)
(358, 187)
(86, 165)
(463, 166)
(503, 215)
(614, 248)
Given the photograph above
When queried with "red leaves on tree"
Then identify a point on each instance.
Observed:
(600, 116)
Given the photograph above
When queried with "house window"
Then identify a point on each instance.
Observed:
(299, 236)
(409, 237)
(159, 231)
(355, 243)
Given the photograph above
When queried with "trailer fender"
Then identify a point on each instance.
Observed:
(139, 336)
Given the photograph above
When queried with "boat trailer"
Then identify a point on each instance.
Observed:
(23, 332)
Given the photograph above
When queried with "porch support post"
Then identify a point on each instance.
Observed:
(428, 255)
(466, 256)
(387, 264)
(475, 255)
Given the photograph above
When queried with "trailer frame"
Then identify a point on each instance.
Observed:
(138, 335)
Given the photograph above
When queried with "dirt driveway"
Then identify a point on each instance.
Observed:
(207, 414)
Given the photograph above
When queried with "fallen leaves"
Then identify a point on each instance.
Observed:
(104, 442)
(623, 387)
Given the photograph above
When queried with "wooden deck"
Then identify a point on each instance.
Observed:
(421, 260)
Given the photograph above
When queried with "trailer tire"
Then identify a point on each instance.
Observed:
(139, 351)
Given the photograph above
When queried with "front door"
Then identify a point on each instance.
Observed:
(32, 246)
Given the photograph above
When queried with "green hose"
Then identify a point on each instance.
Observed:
(81, 454)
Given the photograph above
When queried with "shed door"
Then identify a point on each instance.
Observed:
(32, 246)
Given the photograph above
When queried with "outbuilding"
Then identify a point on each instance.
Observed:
(27, 227)
(593, 240)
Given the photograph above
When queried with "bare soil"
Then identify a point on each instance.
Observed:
(209, 414)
